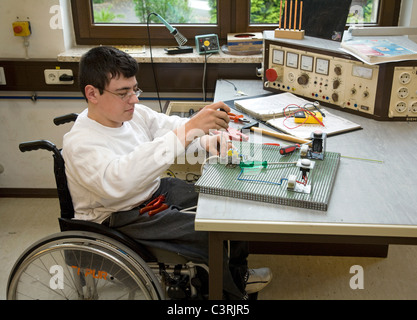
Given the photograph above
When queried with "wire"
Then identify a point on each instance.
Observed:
(205, 75)
(230, 83)
(363, 159)
(152, 64)
(304, 182)
(194, 177)
(298, 108)
(205, 161)
(263, 181)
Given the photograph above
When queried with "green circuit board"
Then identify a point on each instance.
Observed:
(270, 184)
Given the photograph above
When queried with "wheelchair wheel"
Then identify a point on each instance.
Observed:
(76, 265)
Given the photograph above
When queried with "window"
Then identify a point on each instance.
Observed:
(268, 12)
(363, 12)
(137, 11)
(124, 21)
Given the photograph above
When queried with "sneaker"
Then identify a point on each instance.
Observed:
(257, 279)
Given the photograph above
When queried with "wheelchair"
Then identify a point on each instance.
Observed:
(90, 261)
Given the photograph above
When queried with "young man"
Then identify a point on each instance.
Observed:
(116, 152)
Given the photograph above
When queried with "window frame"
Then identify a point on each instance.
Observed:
(233, 16)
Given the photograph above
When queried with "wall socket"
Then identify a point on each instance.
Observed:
(2, 77)
(59, 76)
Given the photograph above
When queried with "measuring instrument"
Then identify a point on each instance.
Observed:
(208, 43)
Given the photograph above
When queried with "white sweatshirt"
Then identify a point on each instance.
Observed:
(116, 169)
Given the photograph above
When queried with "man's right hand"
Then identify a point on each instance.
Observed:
(211, 118)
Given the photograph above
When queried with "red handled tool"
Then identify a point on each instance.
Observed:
(237, 118)
(155, 206)
(289, 149)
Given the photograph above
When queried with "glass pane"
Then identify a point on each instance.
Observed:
(264, 12)
(137, 11)
(268, 11)
(363, 11)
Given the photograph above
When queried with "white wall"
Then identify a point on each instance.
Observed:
(47, 39)
(408, 15)
(23, 120)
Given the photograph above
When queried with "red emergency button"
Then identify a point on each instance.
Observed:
(18, 29)
(271, 75)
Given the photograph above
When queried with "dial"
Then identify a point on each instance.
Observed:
(306, 63)
(303, 79)
(292, 60)
(338, 70)
(278, 57)
(322, 66)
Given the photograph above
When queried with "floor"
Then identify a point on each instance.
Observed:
(24, 221)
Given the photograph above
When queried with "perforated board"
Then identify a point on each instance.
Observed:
(270, 185)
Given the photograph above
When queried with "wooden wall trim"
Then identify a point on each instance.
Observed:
(28, 193)
(23, 75)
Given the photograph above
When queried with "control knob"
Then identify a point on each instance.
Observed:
(303, 79)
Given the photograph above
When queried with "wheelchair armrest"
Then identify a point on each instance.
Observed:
(65, 118)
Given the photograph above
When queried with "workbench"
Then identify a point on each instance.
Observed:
(373, 200)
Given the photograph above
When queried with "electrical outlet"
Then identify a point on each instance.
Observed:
(59, 76)
(2, 77)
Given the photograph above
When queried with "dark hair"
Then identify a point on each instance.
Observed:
(101, 64)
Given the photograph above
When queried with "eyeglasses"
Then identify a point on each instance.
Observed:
(126, 96)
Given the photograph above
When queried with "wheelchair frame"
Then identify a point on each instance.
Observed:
(91, 261)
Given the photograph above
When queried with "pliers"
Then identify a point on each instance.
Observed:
(156, 205)
(237, 118)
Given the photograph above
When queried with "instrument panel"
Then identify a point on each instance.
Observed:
(336, 79)
(345, 83)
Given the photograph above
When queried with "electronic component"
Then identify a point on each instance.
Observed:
(307, 117)
(22, 28)
(318, 145)
(318, 70)
(404, 93)
(305, 166)
(208, 43)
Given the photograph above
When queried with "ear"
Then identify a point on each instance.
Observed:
(91, 93)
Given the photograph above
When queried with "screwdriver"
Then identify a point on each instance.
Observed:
(289, 149)
(255, 164)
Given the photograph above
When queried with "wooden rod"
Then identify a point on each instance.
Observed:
(285, 15)
(282, 136)
(295, 14)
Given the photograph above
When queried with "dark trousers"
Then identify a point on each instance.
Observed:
(174, 231)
